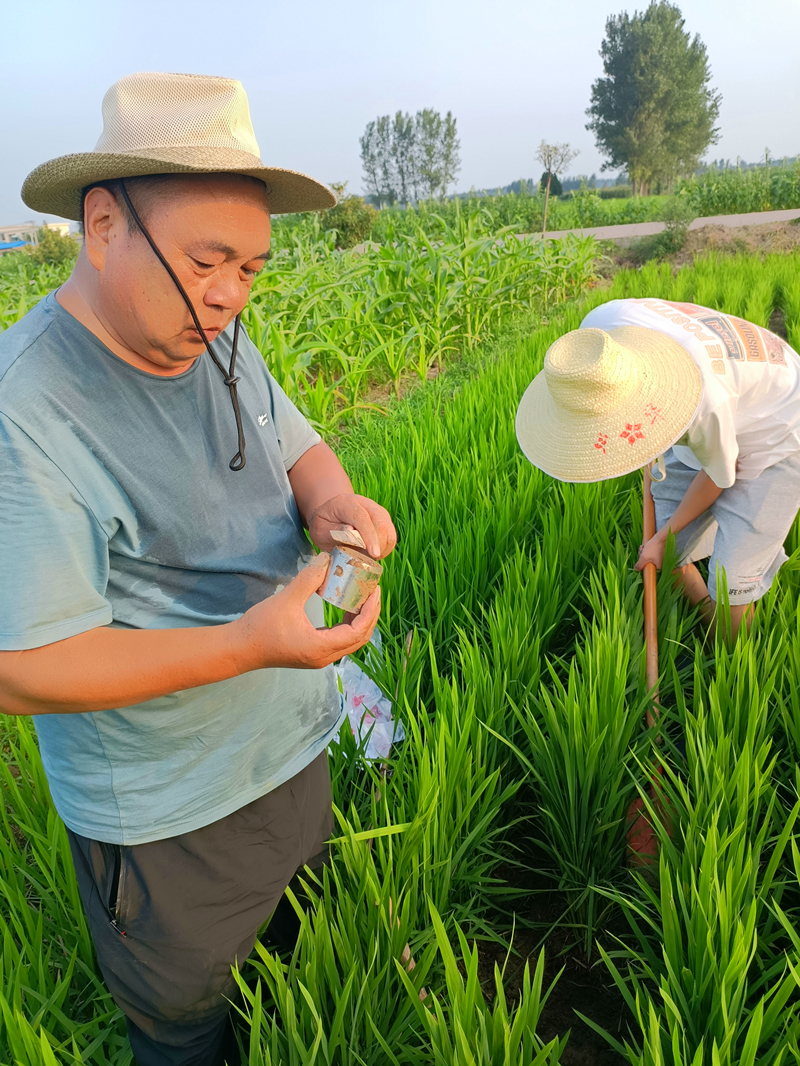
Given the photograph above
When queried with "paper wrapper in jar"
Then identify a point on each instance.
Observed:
(352, 577)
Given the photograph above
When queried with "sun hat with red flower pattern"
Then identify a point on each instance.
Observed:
(607, 403)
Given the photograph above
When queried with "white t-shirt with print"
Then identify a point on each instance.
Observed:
(749, 413)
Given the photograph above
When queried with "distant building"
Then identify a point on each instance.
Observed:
(13, 237)
(29, 231)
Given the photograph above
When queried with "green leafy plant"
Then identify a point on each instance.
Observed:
(351, 219)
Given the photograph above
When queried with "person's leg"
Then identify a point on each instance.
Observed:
(754, 517)
(740, 613)
(170, 917)
(694, 542)
(695, 589)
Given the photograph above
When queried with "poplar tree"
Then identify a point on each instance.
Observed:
(654, 110)
(406, 157)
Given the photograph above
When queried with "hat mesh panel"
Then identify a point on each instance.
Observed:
(149, 111)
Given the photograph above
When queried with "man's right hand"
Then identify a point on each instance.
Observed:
(106, 668)
(277, 632)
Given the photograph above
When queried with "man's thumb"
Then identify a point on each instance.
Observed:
(311, 577)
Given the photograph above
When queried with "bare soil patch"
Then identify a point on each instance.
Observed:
(772, 238)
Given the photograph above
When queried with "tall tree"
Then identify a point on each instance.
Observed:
(404, 153)
(369, 160)
(654, 111)
(450, 152)
(555, 158)
(388, 170)
(429, 156)
(404, 157)
(377, 160)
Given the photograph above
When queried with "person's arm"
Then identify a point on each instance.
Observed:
(106, 668)
(326, 501)
(698, 498)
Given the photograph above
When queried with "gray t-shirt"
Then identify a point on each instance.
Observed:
(118, 508)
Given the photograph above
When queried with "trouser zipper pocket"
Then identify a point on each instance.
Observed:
(113, 888)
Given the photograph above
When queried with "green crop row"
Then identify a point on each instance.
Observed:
(523, 697)
(522, 212)
(332, 324)
(735, 191)
(716, 192)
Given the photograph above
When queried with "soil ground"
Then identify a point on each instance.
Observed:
(581, 984)
(775, 237)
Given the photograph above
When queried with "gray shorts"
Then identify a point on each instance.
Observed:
(744, 529)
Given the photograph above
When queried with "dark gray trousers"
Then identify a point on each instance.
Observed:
(169, 918)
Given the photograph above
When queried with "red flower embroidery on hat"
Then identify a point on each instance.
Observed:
(652, 413)
(601, 442)
(632, 432)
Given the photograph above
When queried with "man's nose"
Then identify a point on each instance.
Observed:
(226, 290)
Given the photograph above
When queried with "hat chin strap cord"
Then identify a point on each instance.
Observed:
(238, 461)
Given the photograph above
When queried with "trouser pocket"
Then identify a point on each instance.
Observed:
(113, 893)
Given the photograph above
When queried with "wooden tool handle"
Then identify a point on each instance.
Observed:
(650, 607)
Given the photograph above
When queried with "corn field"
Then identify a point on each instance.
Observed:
(736, 191)
(523, 212)
(523, 697)
(331, 324)
(334, 325)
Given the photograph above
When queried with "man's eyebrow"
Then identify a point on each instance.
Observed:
(226, 250)
(217, 246)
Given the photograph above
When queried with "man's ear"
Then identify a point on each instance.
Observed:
(102, 222)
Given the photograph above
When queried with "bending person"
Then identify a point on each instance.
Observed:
(719, 395)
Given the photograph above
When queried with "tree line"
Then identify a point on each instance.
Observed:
(410, 157)
(653, 113)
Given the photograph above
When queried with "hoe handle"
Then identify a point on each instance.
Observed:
(650, 612)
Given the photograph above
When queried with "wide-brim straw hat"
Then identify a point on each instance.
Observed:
(171, 124)
(607, 403)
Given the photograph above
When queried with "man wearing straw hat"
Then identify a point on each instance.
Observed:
(159, 615)
(719, 395)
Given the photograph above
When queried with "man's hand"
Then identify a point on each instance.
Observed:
(277, 632)
(653, 551)
(107, 667)
(370, 519)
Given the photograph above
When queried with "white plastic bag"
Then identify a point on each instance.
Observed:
(368, 709)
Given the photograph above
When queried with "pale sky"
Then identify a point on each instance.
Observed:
(511, 71)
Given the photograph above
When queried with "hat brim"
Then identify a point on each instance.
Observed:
(55, 187)
(578, 447)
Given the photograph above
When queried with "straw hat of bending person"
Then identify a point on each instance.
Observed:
(607, 403)
(170, 124)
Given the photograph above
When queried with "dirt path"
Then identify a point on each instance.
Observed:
(648, 229)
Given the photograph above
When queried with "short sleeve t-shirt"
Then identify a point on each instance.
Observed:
(119, 509)
(749, 413)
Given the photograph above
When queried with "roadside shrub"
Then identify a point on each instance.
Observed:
(53, 248)
(351, 219)
(678, 214)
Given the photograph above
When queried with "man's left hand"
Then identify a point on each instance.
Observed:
(652, 552)
(370, 519)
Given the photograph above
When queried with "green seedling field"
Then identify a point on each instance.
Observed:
(523, 699)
